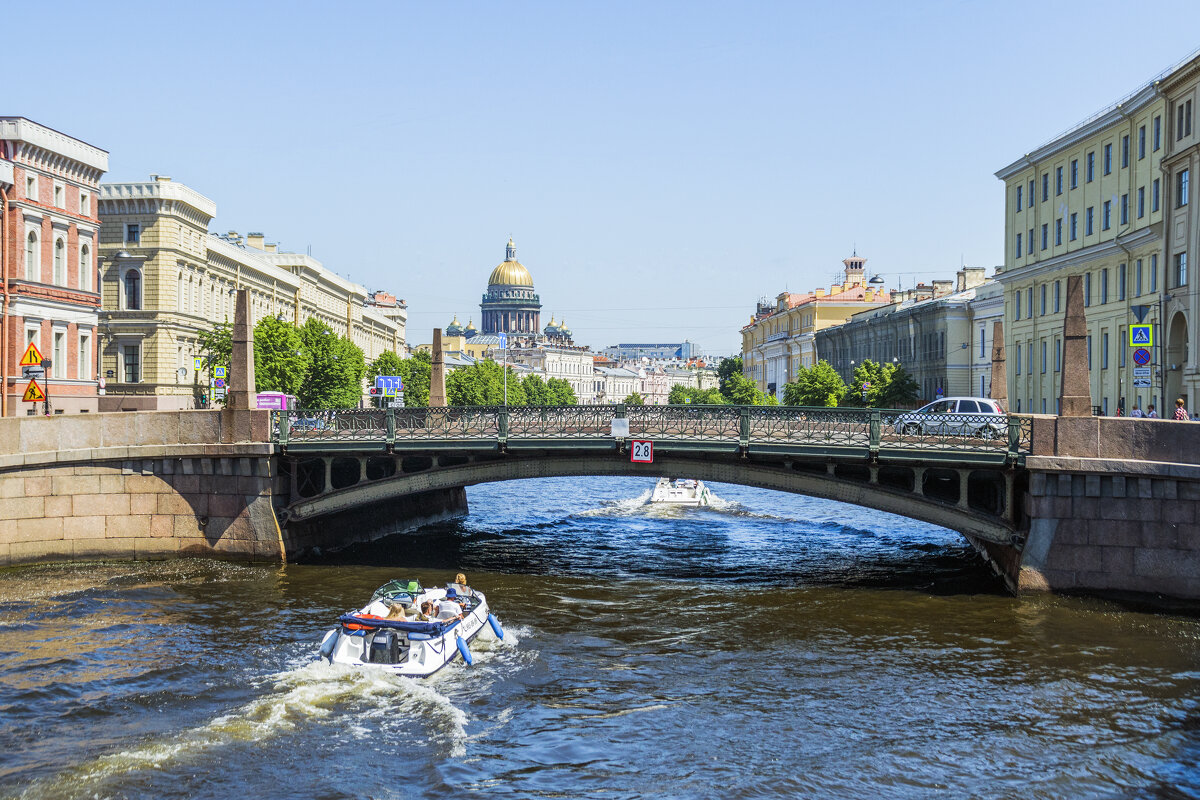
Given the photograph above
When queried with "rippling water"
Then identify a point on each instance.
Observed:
(773, 645)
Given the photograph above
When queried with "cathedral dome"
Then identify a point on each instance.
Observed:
(454, 329)
(510, 272)
(470, 331)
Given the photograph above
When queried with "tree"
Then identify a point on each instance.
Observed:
(335, 371)
(870, 374)
(818, 385)
(901, 390)
(562, 393)
(634, 399)
(681, 394)
(725, 372)
(415, 373)
(280, 360)
(482, 384)
(386, 363)
(217, 345)
(537, 393)
(742, 391)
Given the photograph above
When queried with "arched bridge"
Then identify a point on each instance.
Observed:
(960, 471)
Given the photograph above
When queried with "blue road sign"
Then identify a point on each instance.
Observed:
(219, 372)
(1141, 335)
(504, 341)
(389, 384)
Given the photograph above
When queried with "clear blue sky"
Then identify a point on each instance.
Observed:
(659, 165)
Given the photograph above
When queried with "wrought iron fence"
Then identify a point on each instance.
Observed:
(747, 426)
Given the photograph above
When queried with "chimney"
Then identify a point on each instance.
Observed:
(256, 240)
(272, 248)
(818, 292)
(162, 178)
(974, 276)
(960, 281)
(942, 288)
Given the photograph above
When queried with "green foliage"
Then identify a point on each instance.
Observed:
(482, 384)
(891, 386)
(335, 370)
(217, 343)
(681, 394)
(634, 399)
(387, 363)
(562, 393)
(740, 390)
(415, 373)
(537, 393)
(901, 390)
(280, 360)
(725, 372)
(818, 385)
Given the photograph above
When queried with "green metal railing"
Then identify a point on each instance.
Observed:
(871, 432)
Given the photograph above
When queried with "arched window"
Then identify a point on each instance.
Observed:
(133, 290)
(85, 267)
(60, 262)
(31, 256)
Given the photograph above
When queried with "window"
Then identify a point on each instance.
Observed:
(1043, 356)
(1074, 226)
(1121, 280)
(133, 290)
(31, 257)
(85, 357)
(1018, 359)
(1058, 355)
(1089, 349)
(1058, 231)
(1106, 215)
(1045, 186)
(1141, 142)
(1120, 348)
(1137, 279)
(1018, 304)
(1042, 295)
(1031, 193)
(1087, 289)
(1088, 227)
(1181, 188)
(1157, 133)
(1183, 120)
(1125, 151)
(1107, 159)
(1058, 180)
(1018, 245)
(60, 354)
(85, 204)
(60, 196)
(1029, 303)
(85, 267)
(982, 343)
(1019, 188)
(1074, 172)
(1104, 350)
(1154, 196)
(1141, 202)
(1154, 273)
(1045, 235)
(132, 363)
(1030, 240)
(1057, 296)
(1103, 286)
(1091, 166)
(31, 188)
(1181, 269)
(1125, 209)
(60, 262)
(133, 233)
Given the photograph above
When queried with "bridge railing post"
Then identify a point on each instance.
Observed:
(390, 423)
(502, 428)
(744, 427)
(875, 428)
(1014, 438)
(283, 421)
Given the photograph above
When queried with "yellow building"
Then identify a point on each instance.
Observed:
(1089, 202)
(782, 338)
(164, 278)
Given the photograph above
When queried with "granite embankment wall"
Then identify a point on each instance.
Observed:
(1112, 507)
(136, 485)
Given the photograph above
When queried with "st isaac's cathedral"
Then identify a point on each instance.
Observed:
(511, 306)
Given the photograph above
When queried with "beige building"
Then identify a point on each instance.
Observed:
(165, 278)
(1090, 202)
(782, 337)
(1181, 165)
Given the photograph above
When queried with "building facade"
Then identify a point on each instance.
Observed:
(165, 279)
(1090, 202)
(1181, 246)
(781, 338)
(49, 184)
(655, 352)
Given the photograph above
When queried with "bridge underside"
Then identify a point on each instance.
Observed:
(978, 502)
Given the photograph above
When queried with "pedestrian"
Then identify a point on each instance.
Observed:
(1137, 410)
(1150, 412)
(1181, 413)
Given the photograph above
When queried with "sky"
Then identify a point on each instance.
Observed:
(660, 166)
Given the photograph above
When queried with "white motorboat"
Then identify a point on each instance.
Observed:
(387, 633)
(680, 492)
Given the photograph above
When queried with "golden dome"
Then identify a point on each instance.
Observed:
(510, 272)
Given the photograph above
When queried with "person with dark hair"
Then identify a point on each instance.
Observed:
(1150, 412)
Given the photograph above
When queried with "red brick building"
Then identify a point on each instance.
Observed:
(49, 240)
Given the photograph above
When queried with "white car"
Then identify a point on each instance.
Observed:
(956, 416)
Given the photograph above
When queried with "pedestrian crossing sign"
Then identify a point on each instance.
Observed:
(1141, 335)
(33, 393)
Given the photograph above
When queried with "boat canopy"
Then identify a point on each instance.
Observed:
(412, 626)
(392, 589)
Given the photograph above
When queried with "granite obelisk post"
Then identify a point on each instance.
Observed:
(437, 373)
(1076, 397)
(999, 391)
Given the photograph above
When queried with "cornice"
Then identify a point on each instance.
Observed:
(1140, 238)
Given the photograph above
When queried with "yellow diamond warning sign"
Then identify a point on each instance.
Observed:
(32, 357)
(33, 393)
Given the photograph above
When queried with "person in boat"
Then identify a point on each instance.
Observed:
(396, 611)
(449, 608)
(460, 584)
(426, 614)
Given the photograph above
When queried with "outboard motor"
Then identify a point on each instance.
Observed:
(385, 647)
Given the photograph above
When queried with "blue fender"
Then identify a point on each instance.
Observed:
(465, 651)
(495, 623)
(327, 645)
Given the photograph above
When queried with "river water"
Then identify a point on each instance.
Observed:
(774, 645)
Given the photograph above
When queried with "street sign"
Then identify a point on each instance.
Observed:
(218, 394)
(1141, 372)
(1141, 335)
(33, 372)
(33, 393)
(219, 383)
(1141, 383)
(641, 451)
(395, 404)
(503, 341)
(1141, 356)
(388, 384)
(219, 372)
(197, 363)
(32, 357)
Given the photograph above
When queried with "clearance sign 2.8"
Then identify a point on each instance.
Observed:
(641, 451)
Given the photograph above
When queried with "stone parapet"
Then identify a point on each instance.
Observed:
(1117, 438)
